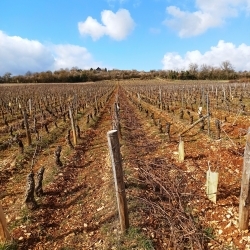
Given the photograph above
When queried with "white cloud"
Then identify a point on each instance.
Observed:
(116, 25)
(68, 56)
(91, 27)
(19, 55)
(209, 14)
(223, 51)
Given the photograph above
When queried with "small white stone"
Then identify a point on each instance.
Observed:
(28, 235)
(228, 225)
(100, 208)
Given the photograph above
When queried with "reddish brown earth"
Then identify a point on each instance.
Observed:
(168, 207)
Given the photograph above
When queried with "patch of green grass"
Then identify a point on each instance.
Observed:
(209, 232)
(46, 152)
(67, 151)
(51, 175)
(230, 247)
(22, 159)
(133, 239)
(127, 171)
(44, 143)
(29, 150)
(12, 245)
(136, 240)
(25, 216)
(19, 160)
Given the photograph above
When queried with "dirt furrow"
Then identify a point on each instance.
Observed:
(156, 179)
(174, 209)
(67, 214)
(168, 207)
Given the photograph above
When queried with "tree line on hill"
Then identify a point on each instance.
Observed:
(204, 72)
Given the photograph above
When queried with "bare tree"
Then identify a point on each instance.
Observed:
(226, 66)
(193, 68)
(227, 69)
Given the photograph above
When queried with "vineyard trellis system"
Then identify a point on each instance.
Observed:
(42, 123)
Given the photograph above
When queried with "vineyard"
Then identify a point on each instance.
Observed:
(57, 186)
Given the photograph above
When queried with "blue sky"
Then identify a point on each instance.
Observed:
(41, 35)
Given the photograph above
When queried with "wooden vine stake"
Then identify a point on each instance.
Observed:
(245, 187)
(27, 127)
(160, 97)
(73, 126)
(208, 112)
(4, 234)
(117, 125)
(201, 119)
(30, 106)
(115, 156)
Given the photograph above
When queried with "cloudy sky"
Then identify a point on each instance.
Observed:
(41, 35)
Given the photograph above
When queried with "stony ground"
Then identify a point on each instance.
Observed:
(168, 207)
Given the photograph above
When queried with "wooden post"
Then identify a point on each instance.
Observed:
(218, 128)
(139, 97)
(160, 97)
(115, 155)
(96, 104)
(73, 126)
(30, 107)
(27, 127)
(244, 205)
(117, 125)
(208, 112)
(201, 119)
(168, 131)
(4, 234)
